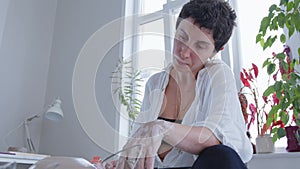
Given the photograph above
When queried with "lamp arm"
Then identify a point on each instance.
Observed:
(28, 138)
(29, 142)
(33, 117)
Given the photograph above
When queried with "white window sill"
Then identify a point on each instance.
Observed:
(277, 160)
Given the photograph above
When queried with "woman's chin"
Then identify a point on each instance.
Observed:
(182, 67)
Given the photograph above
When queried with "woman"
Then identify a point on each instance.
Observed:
(191, 115)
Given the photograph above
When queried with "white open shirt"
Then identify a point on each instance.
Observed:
(216, 106)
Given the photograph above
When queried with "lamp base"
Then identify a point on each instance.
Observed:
(18, 149)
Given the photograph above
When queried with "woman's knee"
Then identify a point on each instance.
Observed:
(219, 156)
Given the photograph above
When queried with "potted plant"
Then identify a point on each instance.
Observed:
(258, 109)
(126, 83)
(285, 88)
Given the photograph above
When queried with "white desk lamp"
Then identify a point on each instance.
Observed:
(53, 113)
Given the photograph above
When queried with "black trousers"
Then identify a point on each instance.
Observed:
(217, 157)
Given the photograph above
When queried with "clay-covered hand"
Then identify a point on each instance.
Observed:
(143, 145)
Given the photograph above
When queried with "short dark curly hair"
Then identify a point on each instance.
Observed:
(215, 15)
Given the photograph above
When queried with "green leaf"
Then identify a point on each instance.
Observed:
(272, 8)
(269, 90)
(280, 56)
(272, 40)
(274, 130)
(292, 80)
(296, 4)
(283, 2)
(271, 15)
(284, 117)
(275, 138)
(298, 122)
(281, 19)
(285, 66)
(293, 20)
(299, 51)
(278, 86)
(281, 133)
(282, 38)
(270, 118)
(278, 94)
(258, 38)
(269, 42)
(273, 112)
(290, 6)
(262, 42)
(291, 31)
(297, 23)
(284, 77)
(273, 25)
(265, 22)
(267, 62)
(271, 68)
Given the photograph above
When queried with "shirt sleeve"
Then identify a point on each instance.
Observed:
(152, 101)
(219, 109)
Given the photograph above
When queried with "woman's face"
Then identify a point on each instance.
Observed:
(192, 47)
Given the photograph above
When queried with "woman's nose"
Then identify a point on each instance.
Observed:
(185, 52)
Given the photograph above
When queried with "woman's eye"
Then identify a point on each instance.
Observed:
(182, 38)
(200, 47)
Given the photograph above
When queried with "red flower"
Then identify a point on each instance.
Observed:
(294, 118)
(252, 109)
(265, 99)
(246, 74)
(281, 69)
(275, 99)
(278, 123)
(287, 50)
(244, 80)
(253, 113)
(275, 76)
(255, 70)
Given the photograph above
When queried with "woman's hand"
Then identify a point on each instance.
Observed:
(145, 143)
(111, 165)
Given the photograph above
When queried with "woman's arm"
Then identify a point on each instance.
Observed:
(192, 139)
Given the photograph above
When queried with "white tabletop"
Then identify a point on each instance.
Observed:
(19, 157)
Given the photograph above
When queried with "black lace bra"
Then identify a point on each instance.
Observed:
(170, 120)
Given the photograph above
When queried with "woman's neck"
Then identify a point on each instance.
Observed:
(185, 80)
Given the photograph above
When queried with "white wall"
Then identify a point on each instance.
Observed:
(3, 12)
(41, 40)
(26, 28)
(76, 21)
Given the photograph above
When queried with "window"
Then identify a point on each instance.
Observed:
(151, 27)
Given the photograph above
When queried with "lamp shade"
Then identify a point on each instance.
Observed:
(54, 112)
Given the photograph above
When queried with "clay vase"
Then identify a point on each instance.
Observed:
(264, 144)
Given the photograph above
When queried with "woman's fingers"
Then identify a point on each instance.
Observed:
(149, 162)
(140, 163)
(141, 148)
(121, 163)
(111, 165)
